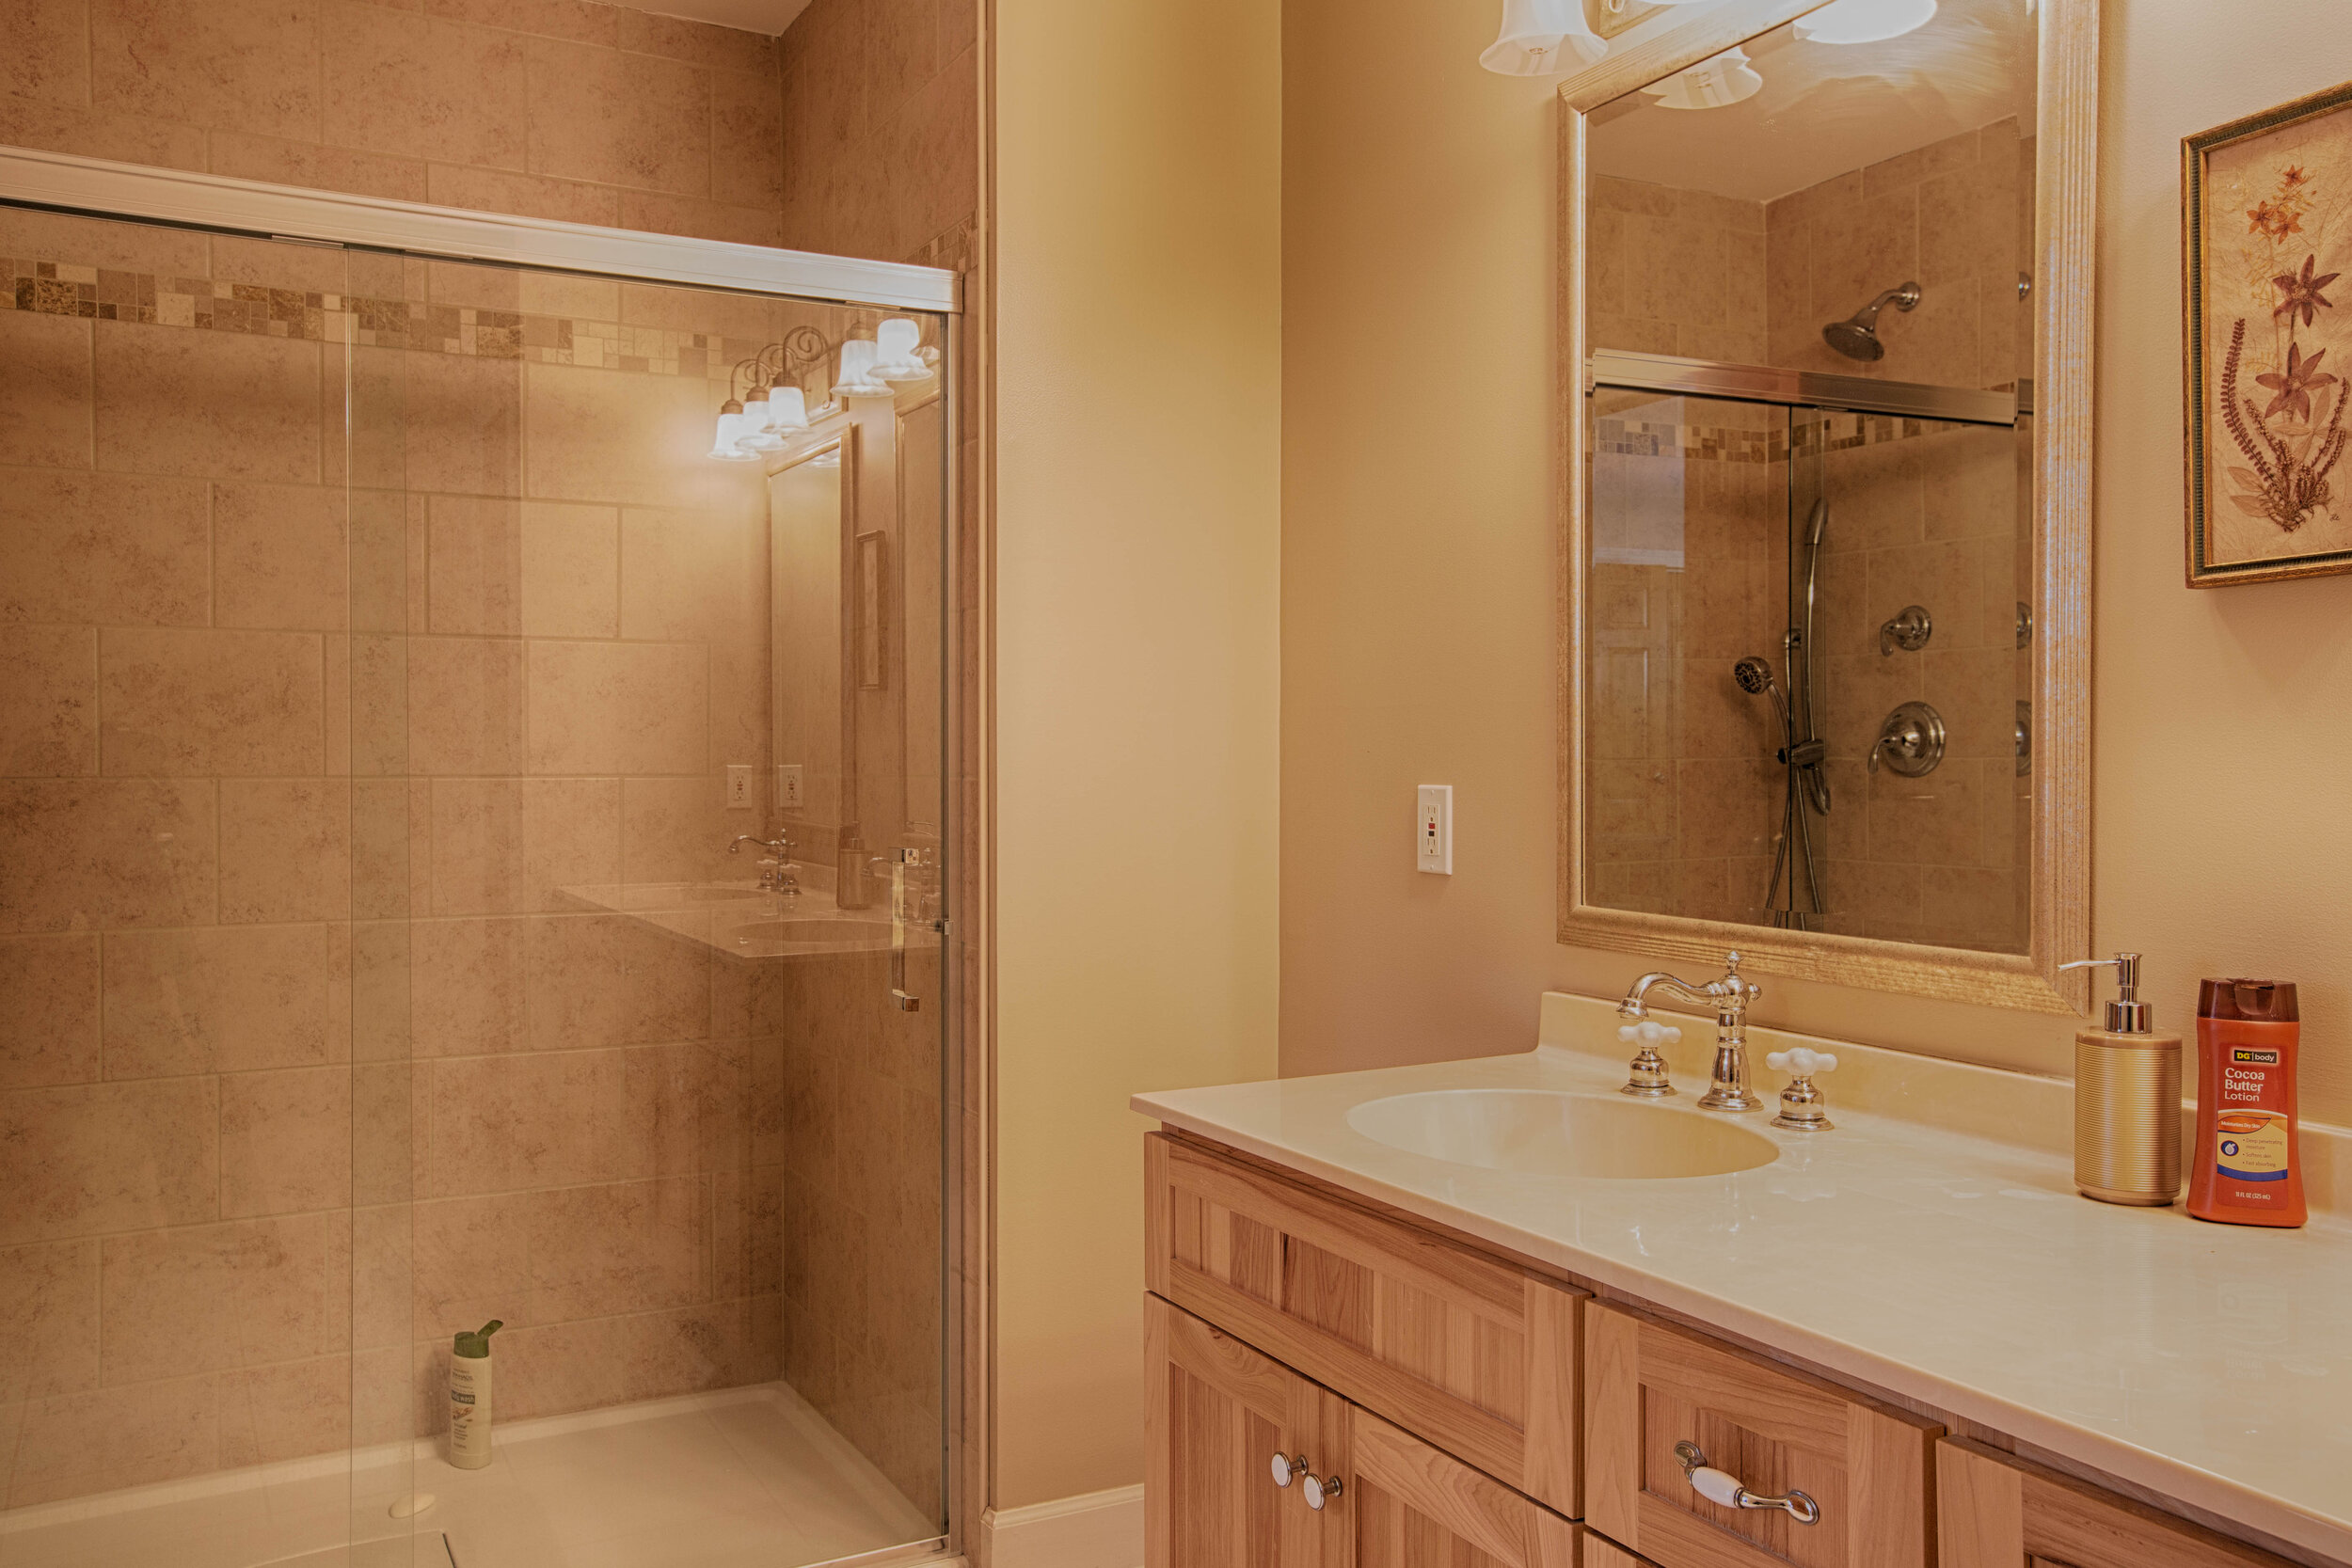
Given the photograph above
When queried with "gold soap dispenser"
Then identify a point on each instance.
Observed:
(2128, 1099)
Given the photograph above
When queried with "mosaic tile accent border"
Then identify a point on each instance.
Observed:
(207, 305)
(1694, 443)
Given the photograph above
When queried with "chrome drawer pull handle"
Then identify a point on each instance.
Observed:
(1287, 1469)
(1723, 1489)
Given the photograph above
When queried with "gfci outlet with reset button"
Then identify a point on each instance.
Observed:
(1432, 847)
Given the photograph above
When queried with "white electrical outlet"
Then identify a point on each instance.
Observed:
(740, 787)
(1433, 833)
(791, 785)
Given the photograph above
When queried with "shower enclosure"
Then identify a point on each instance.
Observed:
(1811, 650)
(473, 846)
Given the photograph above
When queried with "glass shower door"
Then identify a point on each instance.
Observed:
(402, 699)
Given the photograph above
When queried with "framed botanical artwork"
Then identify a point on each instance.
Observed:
(2267, 209)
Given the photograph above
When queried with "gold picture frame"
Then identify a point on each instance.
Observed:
(2266, 231)
(2066, 221)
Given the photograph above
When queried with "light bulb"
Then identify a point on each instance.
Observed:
(857, 372)
(1864, 21)
(897, 350)
(726, 438)
(1540, 38)
(1726, 78)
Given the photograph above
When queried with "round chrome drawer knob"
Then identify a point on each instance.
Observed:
(1321, 1492)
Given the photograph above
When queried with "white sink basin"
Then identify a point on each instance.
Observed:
(1545, 1132)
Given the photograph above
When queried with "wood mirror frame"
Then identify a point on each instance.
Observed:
(2066, 207)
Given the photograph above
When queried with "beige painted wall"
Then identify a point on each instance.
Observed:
(1417, 573)
(1138, 325)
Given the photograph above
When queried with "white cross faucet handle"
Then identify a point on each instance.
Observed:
(1803, 1061)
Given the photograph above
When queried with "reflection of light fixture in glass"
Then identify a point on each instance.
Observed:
(830, 458)
(757, 436)
(897, 350)
(857, 372)
(1542, 36)
(1864, 21)
(726, 441)
(788, 411)
(1711, 83)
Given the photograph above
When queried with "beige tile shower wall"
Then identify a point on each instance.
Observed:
(859, 1142)
(1676, 272)
(1685, 802)
(1954, 216)
(563, 109)
(304, 1062)
(1936, 516)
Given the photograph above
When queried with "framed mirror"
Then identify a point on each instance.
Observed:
(1824, 625)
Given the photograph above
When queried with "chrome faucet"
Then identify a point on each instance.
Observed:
(1727, 1087)
(776, 873)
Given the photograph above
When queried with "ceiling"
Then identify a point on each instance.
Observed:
(754, 16)
(1828, 108)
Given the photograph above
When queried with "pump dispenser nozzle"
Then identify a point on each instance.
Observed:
(2126, 1014)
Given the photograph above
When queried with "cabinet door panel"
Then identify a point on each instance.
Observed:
(1475, 1355)
(1650, 1387)
(1416, 1507)
(1996, 1511)
(1216, 1415)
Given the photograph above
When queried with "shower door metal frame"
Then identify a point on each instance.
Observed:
(117, 191)
(1847, 394)
(95, 188)
(2066, 209)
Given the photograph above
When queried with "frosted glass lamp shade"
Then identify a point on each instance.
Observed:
(1865, 21)
(725, 443)
(788, 410)
(1542, 36)
(1711, 83)
(897, 350)
(857, 372)
(755, 436)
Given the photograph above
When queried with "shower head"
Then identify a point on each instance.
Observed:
(1857, 336)
(1755, 678)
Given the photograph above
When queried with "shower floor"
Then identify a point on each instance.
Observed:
(742, 1478)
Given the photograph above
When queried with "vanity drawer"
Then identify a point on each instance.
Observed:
(1996, 1511)
(1650, 1386)
(1472, 1354)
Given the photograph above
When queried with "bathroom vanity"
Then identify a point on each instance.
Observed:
(1494, 1310)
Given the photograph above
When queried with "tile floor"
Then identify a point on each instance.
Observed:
(748, 1477)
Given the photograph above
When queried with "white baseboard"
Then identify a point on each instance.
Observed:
(1095, 1529)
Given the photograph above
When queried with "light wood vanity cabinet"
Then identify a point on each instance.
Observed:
(1465, 1351)
(1479, 1414)
(1218, 1414)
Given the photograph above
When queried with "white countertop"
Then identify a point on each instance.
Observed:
(2211, 1363)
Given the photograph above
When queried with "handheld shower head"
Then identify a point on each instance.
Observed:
(1857, 336)
(1753, 676)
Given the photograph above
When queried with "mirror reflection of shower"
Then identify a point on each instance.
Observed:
(1857, 336)
(1804, 792)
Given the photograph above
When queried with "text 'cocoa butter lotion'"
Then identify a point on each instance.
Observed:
(2247, 1168)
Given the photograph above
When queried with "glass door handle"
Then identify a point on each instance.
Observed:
(904, 1000)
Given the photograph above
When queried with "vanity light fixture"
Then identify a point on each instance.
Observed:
(858, 379)
(773, 410)
(726, 442)
(1865, 21)
(758, 430)
(1540, 38)
(1713, 84)
(899, 351)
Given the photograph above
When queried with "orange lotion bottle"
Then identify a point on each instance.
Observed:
(2248, 1169)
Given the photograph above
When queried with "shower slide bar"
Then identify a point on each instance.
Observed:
(1854, 394)
(94, 187)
